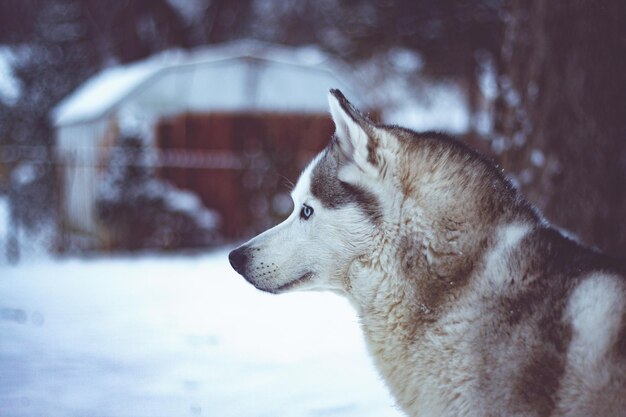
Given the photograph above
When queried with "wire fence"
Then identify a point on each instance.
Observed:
(258, 193)
(156, 158)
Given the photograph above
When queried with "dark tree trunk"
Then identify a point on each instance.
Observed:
(561, 113)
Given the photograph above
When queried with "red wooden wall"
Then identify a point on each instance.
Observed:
(239, 163)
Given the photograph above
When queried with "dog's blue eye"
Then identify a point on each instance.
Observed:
(306, 212)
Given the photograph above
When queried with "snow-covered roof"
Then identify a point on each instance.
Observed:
(241, 75)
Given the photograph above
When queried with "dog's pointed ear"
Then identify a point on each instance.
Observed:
(355, 134)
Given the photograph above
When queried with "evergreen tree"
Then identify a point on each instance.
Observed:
(141, 211)
(56, 60)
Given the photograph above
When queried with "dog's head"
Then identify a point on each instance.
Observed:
(338, 209)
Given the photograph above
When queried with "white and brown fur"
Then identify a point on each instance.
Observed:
(471, 304)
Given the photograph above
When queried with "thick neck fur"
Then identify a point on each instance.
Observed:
(444, 208)
(439, 225)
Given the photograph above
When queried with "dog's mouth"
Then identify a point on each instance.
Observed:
(296, 282)
(285, 287)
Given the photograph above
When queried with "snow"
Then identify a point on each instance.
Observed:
(405, 60)
(176, 336)
(396, 87)
(488, 79)
(442, 107)
(183, 201)
(242, 75)
(537, 158)
(191, 11)
(103, 91)
(24, 174)
(10, 87)
(186, 202)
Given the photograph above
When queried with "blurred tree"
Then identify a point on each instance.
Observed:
(144, 212)
(452, 37)
(17, 20)
(54, 59)
(61, 43)
(560, 113)
(223, 20)
(124, 31)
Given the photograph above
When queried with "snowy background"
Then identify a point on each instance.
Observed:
(176, 336)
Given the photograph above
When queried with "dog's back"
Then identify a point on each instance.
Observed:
(552, 340)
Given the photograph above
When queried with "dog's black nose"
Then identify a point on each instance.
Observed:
(238, 259)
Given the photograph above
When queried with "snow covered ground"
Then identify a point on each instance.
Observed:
(176, 336)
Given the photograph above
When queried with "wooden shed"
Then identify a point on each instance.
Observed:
(229, 122)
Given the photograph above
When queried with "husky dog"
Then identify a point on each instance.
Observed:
(470, 303)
